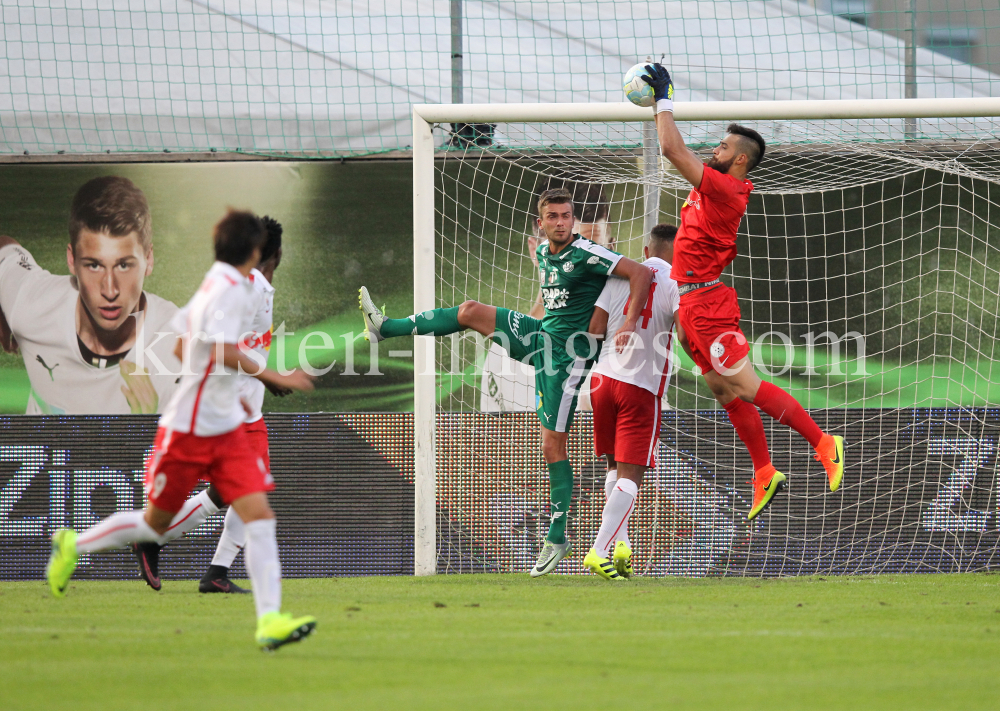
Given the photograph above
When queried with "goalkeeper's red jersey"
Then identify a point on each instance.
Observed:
(706, 241)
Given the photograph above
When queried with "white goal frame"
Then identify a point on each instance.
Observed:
(425, 116)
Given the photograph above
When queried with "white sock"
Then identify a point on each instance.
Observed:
(232, 540)
(614, 519)
(115, 531)
(194, 513)
(609, 486)
(609, 483)
(263, 565)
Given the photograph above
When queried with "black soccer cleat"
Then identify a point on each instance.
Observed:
(217, 580)
(148, 556)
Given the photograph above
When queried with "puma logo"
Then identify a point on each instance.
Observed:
(51, 376)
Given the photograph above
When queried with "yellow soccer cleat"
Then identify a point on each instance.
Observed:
(62, 561)
(601, 566)
(622, 559)
(279, 628)
(830, 453)
(767, 482)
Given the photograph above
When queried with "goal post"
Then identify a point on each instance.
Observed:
(806, 125)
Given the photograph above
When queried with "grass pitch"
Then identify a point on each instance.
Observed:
(509, 642)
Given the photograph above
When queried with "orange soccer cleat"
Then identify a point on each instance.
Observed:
(767, 481)
(830, 453)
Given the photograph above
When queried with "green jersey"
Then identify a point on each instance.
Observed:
(571, 282)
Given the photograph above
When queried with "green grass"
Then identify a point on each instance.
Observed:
(509, 642)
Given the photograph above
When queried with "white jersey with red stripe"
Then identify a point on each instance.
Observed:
(206, 401)
(645, 362)
(257, 343)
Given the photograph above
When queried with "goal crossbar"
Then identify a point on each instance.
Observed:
(712, 110)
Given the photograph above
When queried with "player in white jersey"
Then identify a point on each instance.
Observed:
(208, 502)
(93, 342)
(625, 392)
(201, 436)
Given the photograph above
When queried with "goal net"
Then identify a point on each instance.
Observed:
(869, 283)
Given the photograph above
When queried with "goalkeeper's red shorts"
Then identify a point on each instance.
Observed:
(626, 421)
(710, 318)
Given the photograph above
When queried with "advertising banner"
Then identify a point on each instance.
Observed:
(919, 495)
(95, 260)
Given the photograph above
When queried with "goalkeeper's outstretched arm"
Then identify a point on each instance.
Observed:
(671, 144)
(673, 149)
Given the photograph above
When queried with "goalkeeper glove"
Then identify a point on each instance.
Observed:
(663, 88)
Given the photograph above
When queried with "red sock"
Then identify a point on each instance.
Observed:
(750, 428)
(787, 410)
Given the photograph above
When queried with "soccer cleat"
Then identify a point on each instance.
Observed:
(148, 556)
(62, 561)
(767, 483)
(216, 580)
(600, 566)
(622, 558)
(550, 556)
(830, 453)
(372, 315)
(279, 628)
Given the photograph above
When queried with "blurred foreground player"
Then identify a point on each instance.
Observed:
(206, 503)
(709, 315)
(201, 437)
(625, 391)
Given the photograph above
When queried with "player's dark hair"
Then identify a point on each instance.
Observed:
(113, 205)
(273, 243)
(590, 204)
(557, 196)
(236, 235)
(663, 232)
(753, 144)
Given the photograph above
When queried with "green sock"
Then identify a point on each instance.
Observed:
(560, 494)
(438, 322)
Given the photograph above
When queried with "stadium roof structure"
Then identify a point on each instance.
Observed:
(339, 78)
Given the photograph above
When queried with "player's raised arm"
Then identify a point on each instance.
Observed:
(639, 279)
(671, 144)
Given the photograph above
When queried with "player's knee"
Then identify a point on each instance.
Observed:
(554, 451)
(719, 388)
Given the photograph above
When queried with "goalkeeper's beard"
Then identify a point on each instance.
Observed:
(721, 166)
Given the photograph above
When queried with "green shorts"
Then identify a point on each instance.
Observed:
(558, 375)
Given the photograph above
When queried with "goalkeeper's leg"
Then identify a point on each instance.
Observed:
(740, 386)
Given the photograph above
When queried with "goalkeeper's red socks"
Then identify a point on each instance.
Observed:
(750, 428)
(787, 410)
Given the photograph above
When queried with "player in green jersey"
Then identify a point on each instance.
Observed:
(572, 272)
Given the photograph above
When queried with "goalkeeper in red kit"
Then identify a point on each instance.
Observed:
(708, 317)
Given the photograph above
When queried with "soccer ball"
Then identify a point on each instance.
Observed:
(638, 92)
